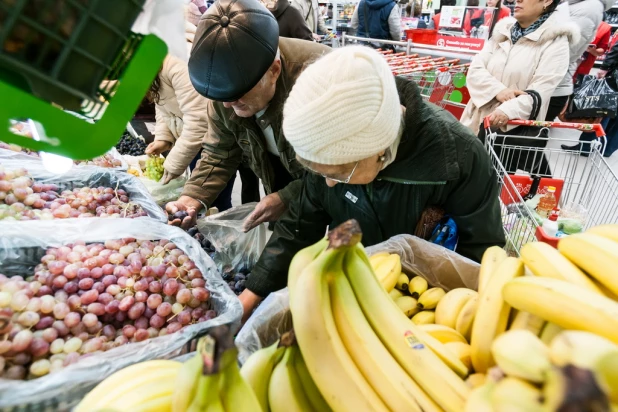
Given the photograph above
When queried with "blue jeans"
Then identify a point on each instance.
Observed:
(224, 200)
(611, 132)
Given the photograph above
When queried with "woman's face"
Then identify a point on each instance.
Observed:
(528, 11)
(492, 3)
(362, 173)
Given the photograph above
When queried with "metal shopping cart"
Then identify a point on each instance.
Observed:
(589, 188)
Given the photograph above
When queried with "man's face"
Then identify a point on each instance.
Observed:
(257, 99)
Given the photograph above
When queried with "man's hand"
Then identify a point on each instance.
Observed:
(184, 204)
(168, 177)
(269, 209)
(508, 94)
(498, 118)
(157, 147)
(601, 74)
(249, 301)
(316, 37)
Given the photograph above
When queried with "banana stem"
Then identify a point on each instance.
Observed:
(346, 235)
(213, 346)
(287, 339)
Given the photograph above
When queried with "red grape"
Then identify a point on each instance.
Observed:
(96, 308)
(105, 298)
(183, 296)
(96, 273)
(72, 319)
(164, 309)
(141, 322)
(74, 302)
(173, 327)
(184, 317)
(141, 296)
(112, 307)
(126, 303)
(129, 331)
(89, 297)
(71, 287)
(170, 287)
(201, 294)
(198, 283)
(86, 284)
(90, 320)
(141, 335)
(136, 310)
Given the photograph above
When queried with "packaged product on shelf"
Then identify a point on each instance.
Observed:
(85, 298)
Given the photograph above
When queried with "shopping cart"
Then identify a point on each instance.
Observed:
(587, 188)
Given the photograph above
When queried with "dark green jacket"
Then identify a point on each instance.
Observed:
(231, 139)
(439, 162)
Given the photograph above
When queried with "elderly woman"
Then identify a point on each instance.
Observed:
(382, 156)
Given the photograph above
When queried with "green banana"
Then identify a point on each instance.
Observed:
(258, 369)
(235, 393)
(286, 392)
(186, 383)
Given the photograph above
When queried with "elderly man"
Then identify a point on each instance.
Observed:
(239, 62)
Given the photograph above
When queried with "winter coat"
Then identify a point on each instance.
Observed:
(537, 61)
(291, 22)
(610, 62)
(377, 15)
(232, 139)
(181, 116)
(438, 163)
(586, 15)
(310, 10)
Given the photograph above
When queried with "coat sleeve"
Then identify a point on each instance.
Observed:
(303, 224)
(550, 71)
(162, 130)
(611, 59)
(322, 29)
(354, 21)
(394, 23)
(221, 156)
(296, 22)
(194, 110)
(482, 85)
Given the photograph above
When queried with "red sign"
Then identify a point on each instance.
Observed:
(460, 42)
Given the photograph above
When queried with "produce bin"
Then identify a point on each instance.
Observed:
(22, 246)
(11, 155)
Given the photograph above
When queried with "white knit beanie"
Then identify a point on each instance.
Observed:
(343, 108)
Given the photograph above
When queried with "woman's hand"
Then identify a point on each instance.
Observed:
(157, 147)
(508, 94)
(498, 118)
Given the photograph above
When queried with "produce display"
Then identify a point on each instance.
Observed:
(129, 145)
(154, 168)
(22, 198)
(82, 299)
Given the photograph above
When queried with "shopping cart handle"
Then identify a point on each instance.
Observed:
(584, 127)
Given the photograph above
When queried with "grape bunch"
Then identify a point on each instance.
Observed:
(86, 299)
(154, 168)
(23, 199)
(129, 145)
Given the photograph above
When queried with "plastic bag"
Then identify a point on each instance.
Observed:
(592, 97)
(236, 250)
(6, 154)
(22, 246)
(441, 267)
(91, 176)
(164, 193)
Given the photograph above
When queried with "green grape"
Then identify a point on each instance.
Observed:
(154, 168)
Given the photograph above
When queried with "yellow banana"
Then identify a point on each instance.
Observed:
(388, 271)
(465, 320)
(402, 282)
(331, 367)
(597, 255)
(476, 379)
(521, 354)
(258, 368)
(549, 332)
(407, 304)
(513, 394)
(161, 404)
(378, 258)
(543, 260)
(160, 391)
(606, 374)
(207, 397)
(443, 333)
(431, 298)
(527, 321)
(384, 374)
(301, 260)
(462, 351)
(417, 286)
(285, 390)
(437, 380)
(313, 393)
(451, 304)
(567, 305)
(492, 258)
(236, 394)
(607, 231)
(395, 293)
(480, 398)
(186, 383)
(554, 390)
(424, 317)
(581, 349)
(492, 314)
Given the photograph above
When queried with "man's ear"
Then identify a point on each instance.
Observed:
(275, 69)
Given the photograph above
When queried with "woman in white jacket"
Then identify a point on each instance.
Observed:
(529, 52)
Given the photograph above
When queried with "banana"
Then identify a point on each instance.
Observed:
(480, 398)
(378, 258)
(521, 354)
(186, 383)
(285, 390)
(158, 391)
(437, 380)
(476, 379)
(462, 351)
(466, 316)
(513, 394)
(606, 231)
(451, 304)
(543, 260)
(581, 349)
(431, 298)
(407, 304)
(606, 374)
(160, 404)
(301, 260)
(527, 321)
(384, 374)
(258, 368)
(402, 282)
(424, 317)
(567, 305)
(549, 332)
(388, 272)
(207, 397)
(492, 258)
(417, 286)
(492, 314)
(444, 334)
(313, 393)
(396, 293)
(554, 390)
(331, 367)
(597, 255)
(236, 394)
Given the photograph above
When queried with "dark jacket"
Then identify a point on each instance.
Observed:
(232, 139)
(291, 22)
(376, 18)
(610, 62)
(439, 163)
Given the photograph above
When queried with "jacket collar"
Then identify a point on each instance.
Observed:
(426, 154)
(554, 27)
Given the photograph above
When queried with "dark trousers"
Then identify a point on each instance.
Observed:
(611, 133)
(556, 104)
(223, 202)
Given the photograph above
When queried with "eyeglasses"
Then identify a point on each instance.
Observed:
(346, 181)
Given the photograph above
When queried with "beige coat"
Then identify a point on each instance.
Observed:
(537, 61)
(181, 113)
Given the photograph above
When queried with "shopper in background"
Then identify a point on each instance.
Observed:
(485, 17)
(291, 22)
(435, 20)
(310, 10)
(586, 15)
(474, 16)
(245, 69)
(597, 48)
(528, 53)
(377, 19)
(414, 9)
(382, 159)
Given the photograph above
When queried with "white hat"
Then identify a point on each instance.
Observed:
(343, 108)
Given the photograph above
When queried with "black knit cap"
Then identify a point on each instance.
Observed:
(235, 44)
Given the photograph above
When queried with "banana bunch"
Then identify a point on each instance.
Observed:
(350, 331)
(387, 267)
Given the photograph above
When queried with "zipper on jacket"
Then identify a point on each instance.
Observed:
(369, 191)
(410, 182)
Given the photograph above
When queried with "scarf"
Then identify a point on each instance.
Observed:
(517, 32)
